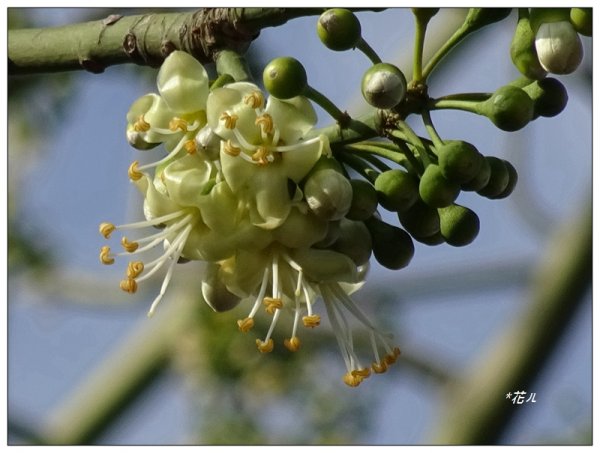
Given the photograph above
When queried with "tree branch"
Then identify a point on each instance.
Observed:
(477, 411)
(142, 39)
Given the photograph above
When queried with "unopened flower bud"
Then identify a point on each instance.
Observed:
(339, 29)
(383, 86)
(328, 194)
(558, 47)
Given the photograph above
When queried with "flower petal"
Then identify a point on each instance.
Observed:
(294, 117)
(183, 83)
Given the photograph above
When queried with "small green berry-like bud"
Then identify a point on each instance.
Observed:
(328, 194)
(354, 241)
(425, 14)
(459, 161)
(397, 190)
(513, 177)
(522, 50)
(285, 78)
(364, 200)
(392, 246)
(339, 29)
(383, 86)
(480, 17)
(581, 18)
(549, 96)
(459, 225)
(499, 178)
(480, 180)
(509, 108)
(421, 220)
(435, 190)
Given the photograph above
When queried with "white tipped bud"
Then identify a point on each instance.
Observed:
(558, 47)
(383, 86)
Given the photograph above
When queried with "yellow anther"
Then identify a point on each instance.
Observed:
(105, 256)
(129, 285)
(106, 228)
(272, 303)
(133, 172)
(230, 120)
(293, 344)
(245, 324)
(255, 99)
(362, 372)
(178, 123)
(380, 367)
(352, 380)
(230, 149)
(261, 156)
(264, 346)
(141, 125)
(311, 321)
(190, 147)
(134, 269)
(391, 358)
(265, 121)
(129, 246)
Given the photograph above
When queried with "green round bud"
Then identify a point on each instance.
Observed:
(459, 161)
(459, 225)
(523, 53)
(499, 178)
(435, 190)
(421, 220)
(480, 17)
(285, 78)
(424, 14)
(397, 190)
(333, 232)
(364, 200)
(581, 18)
(339, 29)
(354, 241)
(383, 86)
(509, 108)
(550, 97)
(435, 239)
(513, 177)
(392, 246)
(328, 194)
(480, 180)
(539, 16)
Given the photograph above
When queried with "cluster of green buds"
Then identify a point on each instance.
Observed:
(284, 215)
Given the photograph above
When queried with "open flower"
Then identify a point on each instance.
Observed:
(262, 148)
(285, 281)
(176, 117)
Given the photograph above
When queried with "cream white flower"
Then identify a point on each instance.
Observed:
(262, 148)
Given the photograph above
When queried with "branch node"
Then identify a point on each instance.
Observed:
(91, 65)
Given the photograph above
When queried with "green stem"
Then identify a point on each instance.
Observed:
(467, 106)
(375, 148)
(437, 141)
(457, 37)
(414, 139)
(365, 48)
(356, 130)
(359, 165)
(420, 30)
(232, 63)
(341, 117)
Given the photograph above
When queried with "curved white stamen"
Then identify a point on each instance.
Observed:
(174, 152)
(276, 135)
(272, 326)
(167, 279)
(152, 222)
(243, 142)
(157, 237)
(261, 293)
(158, 262)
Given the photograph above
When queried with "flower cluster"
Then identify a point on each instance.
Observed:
(242, 190)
